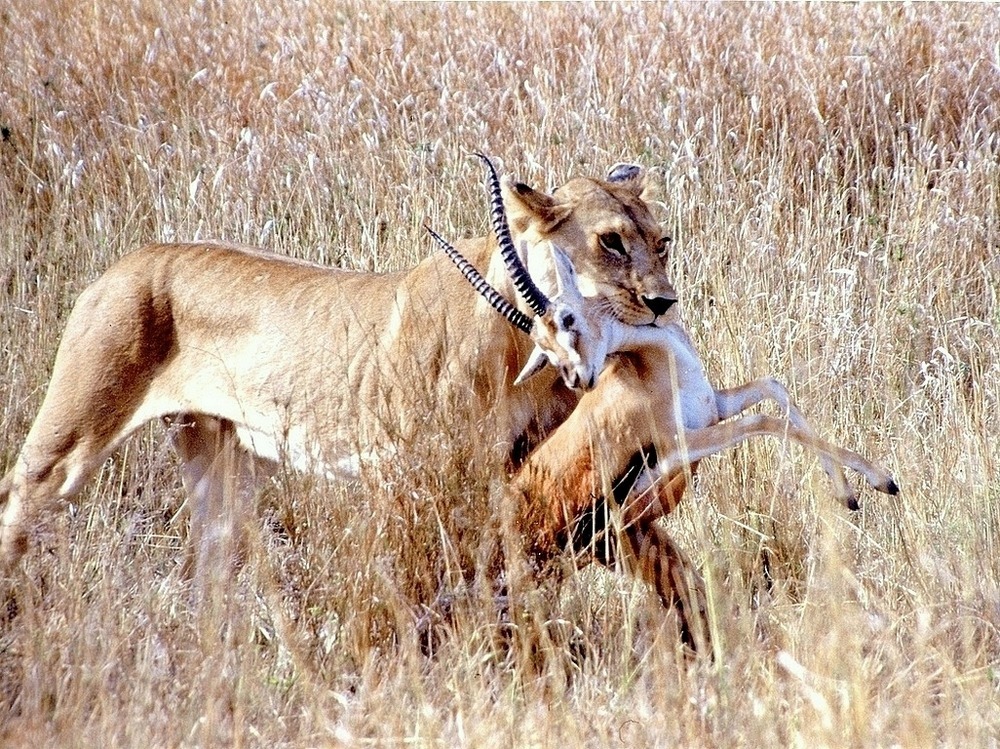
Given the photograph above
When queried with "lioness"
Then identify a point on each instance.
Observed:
(257, 358)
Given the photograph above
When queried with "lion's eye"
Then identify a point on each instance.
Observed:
(612, 242)
(662, 245)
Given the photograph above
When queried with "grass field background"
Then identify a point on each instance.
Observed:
(830, 174)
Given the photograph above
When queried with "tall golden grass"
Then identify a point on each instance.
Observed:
(830, 174)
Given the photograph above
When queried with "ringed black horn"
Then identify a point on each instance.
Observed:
(514, 316)
(518, 273)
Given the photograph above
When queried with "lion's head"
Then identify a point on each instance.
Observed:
(610, 235)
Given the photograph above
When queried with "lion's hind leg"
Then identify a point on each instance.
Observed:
(115, 342)
(220, 480)
(52, 466)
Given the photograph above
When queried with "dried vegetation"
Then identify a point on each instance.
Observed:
(831, 176)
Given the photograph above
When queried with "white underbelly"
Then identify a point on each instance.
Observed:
(295, 450)
(694, 397)
(697, 407)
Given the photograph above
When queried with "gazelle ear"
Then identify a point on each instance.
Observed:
(526, 206)
(565, 273)
(536, 363)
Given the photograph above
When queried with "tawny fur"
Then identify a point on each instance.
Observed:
(281, 360)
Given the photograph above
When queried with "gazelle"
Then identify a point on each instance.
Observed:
(556, 330)
(577, 338)
(652, 398)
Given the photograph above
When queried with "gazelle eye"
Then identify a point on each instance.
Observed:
(612, 242)
(568, 321)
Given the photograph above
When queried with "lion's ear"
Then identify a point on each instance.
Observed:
(636, 178)
(526, 206)
(627, 173)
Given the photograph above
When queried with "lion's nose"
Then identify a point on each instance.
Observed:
(658, 305)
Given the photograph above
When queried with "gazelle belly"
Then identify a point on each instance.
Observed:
(694, 398)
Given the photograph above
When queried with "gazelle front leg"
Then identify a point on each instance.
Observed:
(734, 401)
(674, 455)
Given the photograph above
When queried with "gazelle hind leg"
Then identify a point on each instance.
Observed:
(660, 563)
(650, 553)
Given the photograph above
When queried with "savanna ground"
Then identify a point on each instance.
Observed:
(830, 176)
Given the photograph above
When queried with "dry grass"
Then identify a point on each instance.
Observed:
(831, 176)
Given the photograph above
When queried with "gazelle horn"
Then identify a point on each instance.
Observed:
(518, 273)
(480, 284)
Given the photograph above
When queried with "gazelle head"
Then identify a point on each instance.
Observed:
(564, 335)
(567, 334)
